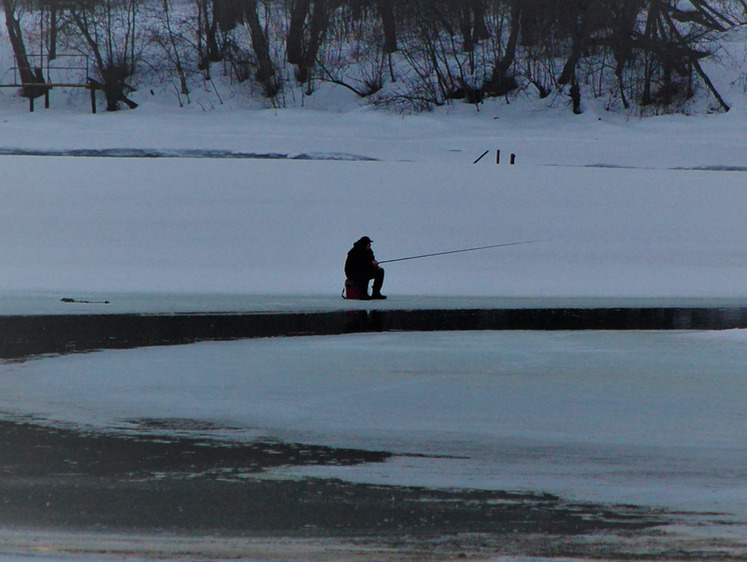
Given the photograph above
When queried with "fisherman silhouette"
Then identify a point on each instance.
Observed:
(360, 268)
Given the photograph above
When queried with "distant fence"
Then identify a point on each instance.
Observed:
(73, 75)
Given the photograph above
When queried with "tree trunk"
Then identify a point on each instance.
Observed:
(500, 82)
(176, 57)
(389, 25)
(29, 76)
(623, 29)
(699, 69)
(465, 26)
(650, 34)
(113, 76)
(480, 29)
(304, 58)
(579, 37)
(266, 69)
(227, 13)
(211, 40)
(569, 68)
(52, 30)
(294, 43)
(576, 97)
(317, 30)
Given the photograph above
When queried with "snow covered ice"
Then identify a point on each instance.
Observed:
(633, 417)
(190, 225)
(626, 209)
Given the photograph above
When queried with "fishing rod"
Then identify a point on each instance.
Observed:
(463, 250)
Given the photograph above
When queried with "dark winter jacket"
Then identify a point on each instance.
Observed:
(359, 263)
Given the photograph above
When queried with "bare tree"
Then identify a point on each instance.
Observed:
(501, 81)
(644, 51)
(31, 78)
(265, 68)
(208, 50)
(670, 51)
(174, 51)
(308, 24)
(109, 33)
(389, 24)
(355, 53)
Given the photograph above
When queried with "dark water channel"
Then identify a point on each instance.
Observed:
(22, 336)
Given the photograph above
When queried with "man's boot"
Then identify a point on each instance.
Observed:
(377, 284)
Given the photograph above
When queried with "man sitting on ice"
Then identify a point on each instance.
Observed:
(360, 267)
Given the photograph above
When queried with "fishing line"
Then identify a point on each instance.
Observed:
(463, 250)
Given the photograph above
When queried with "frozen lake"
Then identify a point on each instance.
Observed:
(652, 418)
(27, 303)
(632, 213)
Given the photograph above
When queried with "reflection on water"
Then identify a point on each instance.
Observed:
(22, 336)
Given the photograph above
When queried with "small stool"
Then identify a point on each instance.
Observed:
(351, 291)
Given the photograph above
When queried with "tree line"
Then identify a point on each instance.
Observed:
(408, 55)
